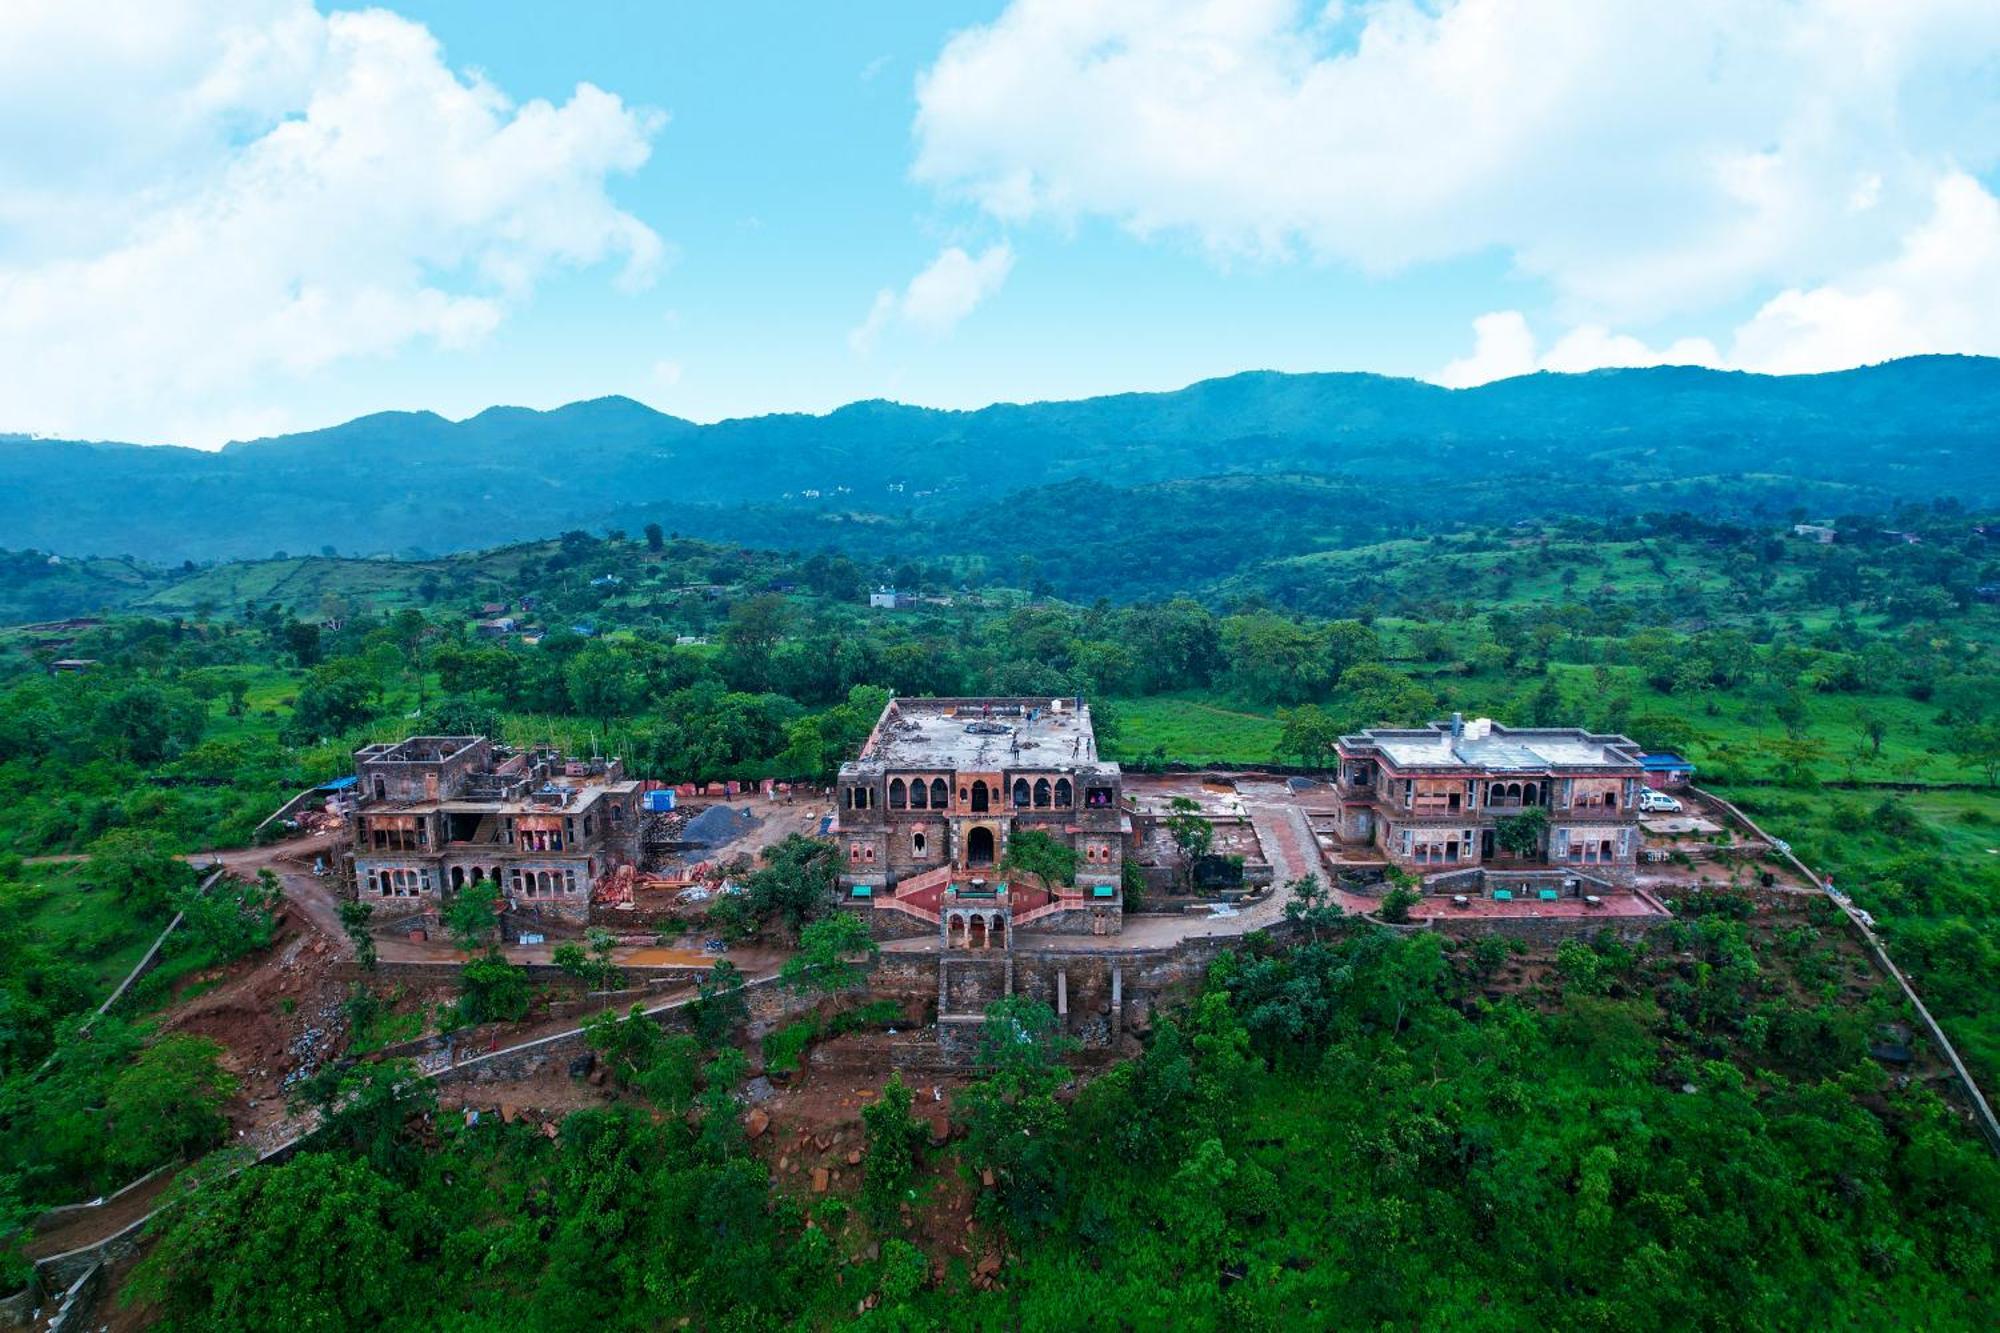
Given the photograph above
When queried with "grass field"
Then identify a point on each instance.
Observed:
(85, 924)
(1193, 730)
(1733, 730)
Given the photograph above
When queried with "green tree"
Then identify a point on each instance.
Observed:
(1397, 902)
(1977, 746)
(132, 865)
(719, 1006)
(473, 917)
(823, 964)
(232, 918)
(890, 1163)
(1523, 835)
(1308, 733)
(1796, 759)
(1034, 852)
(318, 1243)
(1013, 1121)
(590, 962)
(168, 1103)
(1310, 905)
(795, 884)
(1192, 836)
(354, 919)
(492, 989)
(364, 1110)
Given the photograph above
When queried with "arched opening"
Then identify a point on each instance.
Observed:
(1042, 791)
(980, 801)
(457, 877)
(919, 795)
(979, 846)
(919, 844)
(898, 795)
(940, 794)
(1062, 793)
(381, 789)
(1020, 793)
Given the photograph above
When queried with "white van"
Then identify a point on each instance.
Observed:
(1659, 803)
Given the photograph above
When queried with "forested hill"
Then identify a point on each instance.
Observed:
(415, 482)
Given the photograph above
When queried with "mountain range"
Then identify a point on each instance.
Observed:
(415, 482)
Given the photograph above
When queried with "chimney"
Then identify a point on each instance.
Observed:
(1457, 733)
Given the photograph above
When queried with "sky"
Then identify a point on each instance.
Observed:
(223, 219)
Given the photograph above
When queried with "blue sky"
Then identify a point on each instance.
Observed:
(782, 179)
(224, 218)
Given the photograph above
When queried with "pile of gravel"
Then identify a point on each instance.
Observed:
(717, 825)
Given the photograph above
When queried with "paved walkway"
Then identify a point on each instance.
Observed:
(1289, 845)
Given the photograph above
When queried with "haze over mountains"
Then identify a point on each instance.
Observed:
(409, 482)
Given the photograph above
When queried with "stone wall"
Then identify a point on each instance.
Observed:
(1108, 919)
(970, 982)
(1546, 930)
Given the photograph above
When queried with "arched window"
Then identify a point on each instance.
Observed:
(919, 794)
(1041, 793)
(898, 795)
(919, 844)
(1020, 793)
(980, 800)
(1062, 793)
(940, 794)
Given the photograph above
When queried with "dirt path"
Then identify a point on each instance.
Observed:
(86, 1227)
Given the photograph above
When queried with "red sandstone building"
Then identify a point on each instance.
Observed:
(1431, 800)
(926, 812)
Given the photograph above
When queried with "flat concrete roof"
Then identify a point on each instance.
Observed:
(1489, 746)
(983, 735)
(420, 749)
(581, 795)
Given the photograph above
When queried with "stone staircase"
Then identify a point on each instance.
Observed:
(913, 887)
(1057, 904)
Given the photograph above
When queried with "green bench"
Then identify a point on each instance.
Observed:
(1503, 895)
(1549, 895)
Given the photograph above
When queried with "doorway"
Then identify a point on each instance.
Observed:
(979, 846)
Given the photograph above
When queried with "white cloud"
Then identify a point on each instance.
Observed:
(1940, 292)
(939, 297)
(1643, 159)
(240, 194)
(1504, 346)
